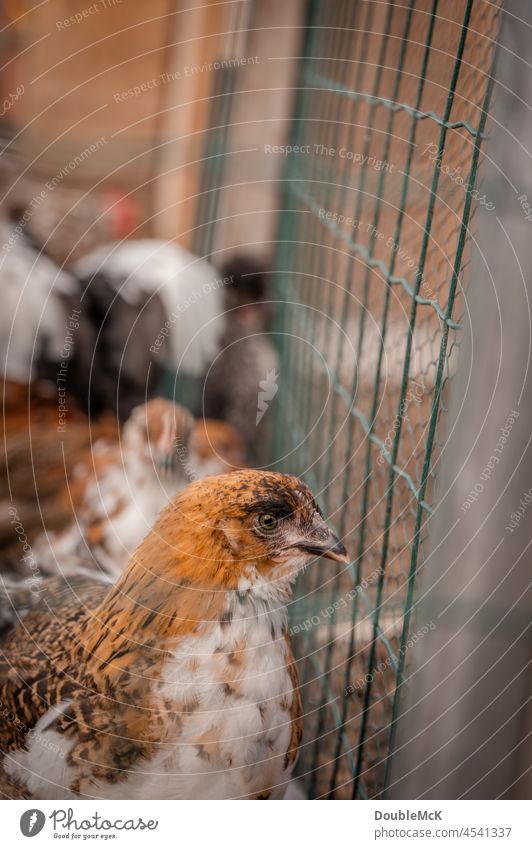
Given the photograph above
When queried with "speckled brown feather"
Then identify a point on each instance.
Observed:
(104, 649)
(10, 788)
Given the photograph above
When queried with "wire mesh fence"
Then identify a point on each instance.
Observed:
(378, 195)
(376, 205)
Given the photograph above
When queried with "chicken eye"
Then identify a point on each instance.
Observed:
(267, 522)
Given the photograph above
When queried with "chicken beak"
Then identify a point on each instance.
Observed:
(324, 543)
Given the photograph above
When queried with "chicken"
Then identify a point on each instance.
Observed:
(51, 327)
(132, 317)
(156, 307)
(34, 317)
(106, 329)
(178, 681)
(118, 489)
(83, 498)
(167, 317)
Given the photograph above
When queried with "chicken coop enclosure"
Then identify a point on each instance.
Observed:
(376, 204)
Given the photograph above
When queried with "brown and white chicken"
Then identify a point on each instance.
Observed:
(178, 681)
(117, 490)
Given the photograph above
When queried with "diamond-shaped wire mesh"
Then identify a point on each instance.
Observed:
(373, 245)
(372, 255)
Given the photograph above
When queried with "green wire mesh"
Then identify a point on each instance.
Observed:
(372, 254)
(378, 193)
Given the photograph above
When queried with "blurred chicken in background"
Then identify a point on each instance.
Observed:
(130, 318)
(35, 295)
(88, 459)
(157, 307)
(108, 488)
(213, 327)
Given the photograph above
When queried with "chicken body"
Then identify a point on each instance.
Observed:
(180, 681)
(223, 705)
(33, 322)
